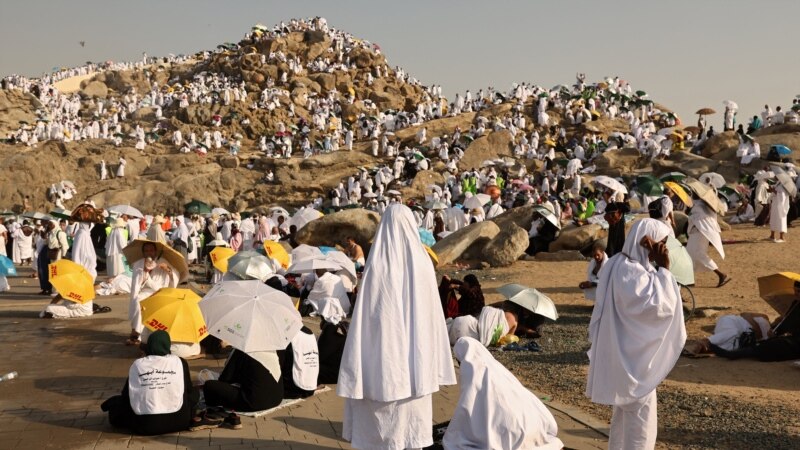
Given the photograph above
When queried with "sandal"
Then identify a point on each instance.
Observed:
(724, 282)
(97, 309)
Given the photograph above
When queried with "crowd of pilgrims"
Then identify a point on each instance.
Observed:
(258, 381)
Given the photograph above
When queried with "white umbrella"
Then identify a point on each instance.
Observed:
(279, 211)
(487, 163)
(436, 205)
(477, 201)
(303, 252)
(530, 299)
(713, 179)
(310, 265)
(730, 104)
(303, 217)
(38, 216)
(127, 210)
(250, 265)
(220, 211)
(250, 315)
(548, 215)
(610, 183)
(370, 195)
(344, 262)
(393, 192)
(785, 180)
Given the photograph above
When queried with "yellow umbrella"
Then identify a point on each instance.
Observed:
(219, 258)
(175, 311)
(778, 290)
(432, 254)
(72, 281)
(680, 192)
(133, 253)
(276, 251)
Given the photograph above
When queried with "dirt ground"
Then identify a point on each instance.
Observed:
(704, 403)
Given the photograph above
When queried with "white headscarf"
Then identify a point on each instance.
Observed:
(397, 345)
(83, 251)
(492, 325)
(637, 329)
(494, 409)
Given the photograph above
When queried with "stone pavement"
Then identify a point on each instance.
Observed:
(67, 368)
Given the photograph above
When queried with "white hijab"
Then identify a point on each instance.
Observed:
(637, 329)
(397, 345)
(494, 409)
(83, 251)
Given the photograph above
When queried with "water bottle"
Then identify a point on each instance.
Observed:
(9, 376)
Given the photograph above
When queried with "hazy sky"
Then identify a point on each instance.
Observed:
(686, 54)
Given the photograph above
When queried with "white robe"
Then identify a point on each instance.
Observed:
(114, 245)
(779, 210)
(703, 229)
(636, 334)
(144, 285)
(495, 411)
(729, 327)
(591, 293)
(397, 352)
(70, 310)
(83, 251)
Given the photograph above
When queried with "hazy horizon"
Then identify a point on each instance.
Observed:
(685, 54)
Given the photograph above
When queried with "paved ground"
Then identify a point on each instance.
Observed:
(68, 367)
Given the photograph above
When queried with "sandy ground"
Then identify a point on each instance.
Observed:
(704, 403)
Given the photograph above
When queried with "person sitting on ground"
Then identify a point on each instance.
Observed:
(249, 381)
(300, 363)
(486, 416)
(185, 350)
(744, 213)
(61, 308)
(158, 397)
(522, 322)
(354, 252)
(327, 285)
(590, 285)
(471, 299)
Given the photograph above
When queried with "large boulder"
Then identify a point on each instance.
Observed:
(453, 246)
(229, 161)
(94, 89)
(577, 238)
(521, 217)
(419, 186)
(615, 163)
(495, 145)
(718, 143)
(692, 165)
(329, 230)
(506, 247)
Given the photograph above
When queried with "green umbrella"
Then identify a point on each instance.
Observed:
(641, 93)
(543, 95)
(673, 176)
(61, 213)
(562, 162)
(197, 207)
(649, 185)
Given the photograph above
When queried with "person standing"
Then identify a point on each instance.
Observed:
(778, 212)
(704, 230)
(397, 352)
(115, 242)
(636, 335)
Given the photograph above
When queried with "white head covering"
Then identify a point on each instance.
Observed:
(494, 409)
(492, 325)
(637, 329)
(397, 344)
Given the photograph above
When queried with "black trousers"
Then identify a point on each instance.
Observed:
(44, 274)
(121, 415)
(220, 393)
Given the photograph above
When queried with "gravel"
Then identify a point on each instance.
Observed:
(686, 419)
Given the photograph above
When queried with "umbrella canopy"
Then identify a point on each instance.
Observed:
(72, 281)
(7, 266)
(426, 236)
(303, 252)
(250, 265)
(280, 211)
(177, 312)
(220, 211)
(680, 192)
(127, 210)
(782, 149)
(133, 253)
(530, 299)
(692, 129)
(680, 263)
(706, 193)
(730, 104)
(778, 290)
(672, 176)
(785, 180)
(276, 251)
(220, 256)
(705, 111)
(437, 205)
(61, 213)
(370, 195)
(713, 179)
(310, 265)
(250, 316)
(345, 263)
(610, 183)
(477, 201)
(548, 215)
(649, 185)
(303, 217)
(197, 207)
(393, 192)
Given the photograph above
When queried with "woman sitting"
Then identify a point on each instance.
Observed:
(158, 397)
(249, 382)
(471, 299)
(300, 363)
